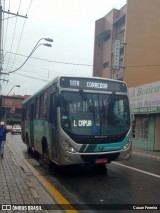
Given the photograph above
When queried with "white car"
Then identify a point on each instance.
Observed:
(9, 128)
(16, 128)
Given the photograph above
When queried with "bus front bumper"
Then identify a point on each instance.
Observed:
(69, 158)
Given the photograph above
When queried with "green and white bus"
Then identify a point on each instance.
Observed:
(78, 120)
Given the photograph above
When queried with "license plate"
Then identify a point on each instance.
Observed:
(101, 161)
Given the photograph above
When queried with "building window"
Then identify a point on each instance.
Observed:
(122, 36)
(141, 128)
(104, 36)
(107, 37)
(106, 64)
(37, 108)
(27, 112)
(43, 105)
(121, 63)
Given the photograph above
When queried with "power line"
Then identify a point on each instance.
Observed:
(14, 31)
(12, 40)
(58, 62)
(21, 31)
(42, 72)
(29, 6)
(6, 28)
(8, 12)
(76, 64)
(19, 42)
(19, 5)
(34, 49)
(35, 78)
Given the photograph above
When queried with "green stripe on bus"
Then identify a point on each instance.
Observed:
(82, 148)
(91, 148)
(103, 147)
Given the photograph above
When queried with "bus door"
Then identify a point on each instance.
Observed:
(53, 125)
(32, 125)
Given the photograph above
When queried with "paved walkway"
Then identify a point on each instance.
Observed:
(19, 186)
(148, 154)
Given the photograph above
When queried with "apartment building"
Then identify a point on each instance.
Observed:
(136, 27)
(109, 29)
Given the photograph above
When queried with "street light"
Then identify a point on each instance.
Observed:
(12, 88)
(46, 39)
(35, 47)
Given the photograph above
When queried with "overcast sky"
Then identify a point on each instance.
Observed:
(71, 24)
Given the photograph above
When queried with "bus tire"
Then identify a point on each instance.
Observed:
(44, 146)
(29, 150)
(36, 154)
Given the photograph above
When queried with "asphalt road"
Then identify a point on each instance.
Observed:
(135, 182)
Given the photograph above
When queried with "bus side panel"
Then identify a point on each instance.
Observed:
(23, 125)
(27, 133)
(39, 133)
(52, 127)
(23, 132)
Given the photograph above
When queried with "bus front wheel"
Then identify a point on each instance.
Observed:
(29, 150)
(44, 146)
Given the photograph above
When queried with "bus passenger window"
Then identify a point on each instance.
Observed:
(27, 112)
(43, 105)
(23, 114)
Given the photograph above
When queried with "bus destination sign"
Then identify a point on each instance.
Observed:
(92, 84)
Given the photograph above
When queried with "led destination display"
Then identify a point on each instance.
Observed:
(92, 84)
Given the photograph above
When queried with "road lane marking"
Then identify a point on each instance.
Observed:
(138, 170)
(52, 190)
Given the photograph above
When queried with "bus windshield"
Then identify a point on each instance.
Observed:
(84, 113)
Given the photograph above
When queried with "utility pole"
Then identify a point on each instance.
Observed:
(1, 50)
(0, 38)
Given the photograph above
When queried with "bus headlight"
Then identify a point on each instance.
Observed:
(128, 144)
(68, 146)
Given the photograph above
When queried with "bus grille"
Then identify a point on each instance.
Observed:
(92, 140)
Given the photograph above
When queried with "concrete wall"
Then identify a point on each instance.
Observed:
(142, 52)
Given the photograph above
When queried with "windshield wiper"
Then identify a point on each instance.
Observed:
(109, 101)
(89, 103)
(85, 98)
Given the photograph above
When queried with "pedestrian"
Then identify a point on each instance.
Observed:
(3, 132)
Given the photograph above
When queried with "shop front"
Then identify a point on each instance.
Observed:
(145, 103)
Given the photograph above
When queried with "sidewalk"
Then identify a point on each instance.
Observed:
(19, 186)
(148, 154)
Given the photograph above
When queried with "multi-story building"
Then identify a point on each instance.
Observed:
(10, 108)
(107, 30)
(136, 27)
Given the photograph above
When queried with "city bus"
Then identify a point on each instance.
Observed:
(78, 120)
